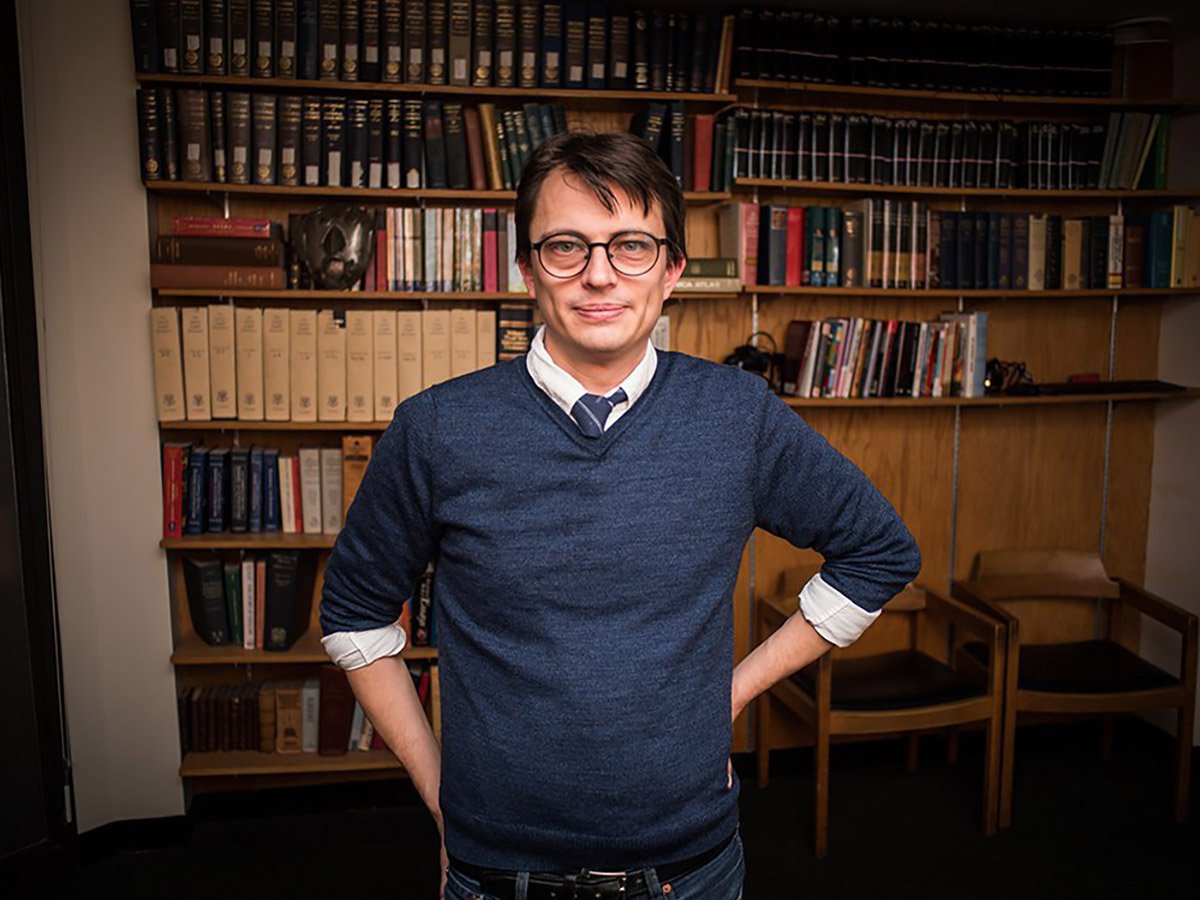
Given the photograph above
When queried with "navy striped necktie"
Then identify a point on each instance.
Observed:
(591, 411)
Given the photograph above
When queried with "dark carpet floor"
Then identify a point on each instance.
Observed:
(1082, 828)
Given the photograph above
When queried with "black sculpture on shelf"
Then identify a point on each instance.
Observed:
(335, 244)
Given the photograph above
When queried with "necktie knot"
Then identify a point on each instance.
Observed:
(591, 411)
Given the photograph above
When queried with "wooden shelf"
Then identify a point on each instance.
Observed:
(832, 187)
(243, 425)
(305, 85)
(872, 95)
(273, 540)
(251, 762)
(180, 294)
(1048, 400)
(951, 294)
(191, 651)
(414, 194)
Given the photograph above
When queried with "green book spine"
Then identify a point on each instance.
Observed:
(233, 601)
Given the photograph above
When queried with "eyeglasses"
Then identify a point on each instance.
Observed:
(630, 253)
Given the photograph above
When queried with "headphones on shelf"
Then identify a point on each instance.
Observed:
(752, 359)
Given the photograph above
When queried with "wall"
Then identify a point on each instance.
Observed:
(1174, 534)
(88, 214)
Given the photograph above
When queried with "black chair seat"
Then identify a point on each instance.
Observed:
(899, 680)
(1082, 667)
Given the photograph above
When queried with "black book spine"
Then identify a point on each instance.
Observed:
(700, 40)
(262, 38)
(980, 245)
(356, 142)
(333, 140)
(414, 41)
(1054, 234)
(436, 24)
(216, 60)
(286, 35)
(237, 134)
(310, 154)
(435, 146)
(551, 75)
(460, 42)
(191, 37)
(264, 111)
(948, 259)
(640, 50)
(506, 43)
(348, 40)
(168, 35)
(143, 18)
(413, 162)
(375, 147)
(619, 49)
(393, 142)
(528, 15)
(291, 108)
(196, 157)
(149, 139)
(239, 38)
(369, 68)
(596, 76)
(391, 40)
(483, 31)
(681, 52)
(524, 146)
(575, 43)
(167, 128)
(290, 575)
(308, 47)
(458, 175)
(204, 580)
(216, 131)
(329, 39)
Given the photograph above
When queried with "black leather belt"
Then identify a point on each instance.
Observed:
(585, 884)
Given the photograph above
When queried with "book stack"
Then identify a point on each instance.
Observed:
(795, 45)
(210, 252)
(887, 358)
(478, 43)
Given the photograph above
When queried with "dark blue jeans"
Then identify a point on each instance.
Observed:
(719, 879)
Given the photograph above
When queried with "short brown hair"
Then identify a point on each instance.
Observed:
(602, 162)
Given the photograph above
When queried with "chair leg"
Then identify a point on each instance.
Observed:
(762, 736)
(914, 746)
(991, 776)
(821, 791)
(1009, 733)
(1184, 723)
(952, 744)
(1106, 738)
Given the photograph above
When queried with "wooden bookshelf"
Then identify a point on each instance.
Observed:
(252, 762)
(834, 187)
(246, 425)
(952, 294)
(997, 400)
(192, 651)
(185, 294)
(273, 540)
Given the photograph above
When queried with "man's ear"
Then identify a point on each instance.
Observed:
(527, 276)
(672, 276)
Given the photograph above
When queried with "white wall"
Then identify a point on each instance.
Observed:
(1173, 542)
(88, 213)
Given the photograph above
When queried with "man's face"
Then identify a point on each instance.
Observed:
(599, 317)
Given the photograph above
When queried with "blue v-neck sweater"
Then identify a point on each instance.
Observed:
(584, 590)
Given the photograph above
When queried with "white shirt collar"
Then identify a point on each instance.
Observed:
(565, 390)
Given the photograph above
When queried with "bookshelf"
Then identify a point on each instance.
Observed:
(966, 474)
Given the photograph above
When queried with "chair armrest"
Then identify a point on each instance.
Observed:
(981, 624)
(774, 610)
(964, 592)
(1156, 607)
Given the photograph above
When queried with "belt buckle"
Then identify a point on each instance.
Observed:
(587, 876)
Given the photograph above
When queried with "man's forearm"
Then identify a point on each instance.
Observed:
(388, 697)
(791, 647)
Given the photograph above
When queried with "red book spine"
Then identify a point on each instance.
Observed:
(297, 495)
(381, 276)
(795, 245)
(702, 152)
(479, 181)
(1134, 255)
(260, 602)
(177, 275)
(209, 226)
(749, 248)
(490, 257)
(172, 491)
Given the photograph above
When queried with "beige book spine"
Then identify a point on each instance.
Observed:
(1180, 220)
(1191, 259)
(222, 361)
(360, 366)
(248, 322)
(168, 363)
(435, 344)
(310, 489)
(1037, 253)
(408, 354)
(485, 343)
(195, 363)
(384, 331)
(463, 341)
(303, 340)
(287, 500)
(1116, 251)
(331, 366)
(356, 455)
(277, 383)
(331, 490)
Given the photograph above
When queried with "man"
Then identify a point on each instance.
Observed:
(587, 506)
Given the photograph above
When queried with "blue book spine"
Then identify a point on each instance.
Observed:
(1158, 249)
(197, 478)
(993, 251)
(307, 40)
(551, 68)
(949, 232)
(980, 362)
(239, 488)
(218, 490)
(271, 521)
(256, 490)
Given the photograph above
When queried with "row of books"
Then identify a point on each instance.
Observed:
(855, 357)
(307, 365)
(238, 137)
(1130, 152)
(258, 489)
(892, 52)
(317, 715)
(904, 245)
(261, 601)
(481, 43)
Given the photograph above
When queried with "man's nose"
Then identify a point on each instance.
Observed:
(599, 270)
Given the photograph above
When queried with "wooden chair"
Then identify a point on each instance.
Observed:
(907, 690)
(1053, 603)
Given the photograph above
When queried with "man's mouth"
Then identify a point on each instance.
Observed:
(599, 312)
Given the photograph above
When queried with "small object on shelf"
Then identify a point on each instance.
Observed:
(336, 243)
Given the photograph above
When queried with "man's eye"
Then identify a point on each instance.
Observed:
(564, 248)
(633, 246)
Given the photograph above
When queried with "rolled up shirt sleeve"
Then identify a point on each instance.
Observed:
(812, 496)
